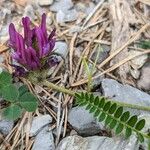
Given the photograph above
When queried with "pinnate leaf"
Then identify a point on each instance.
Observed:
(112, 114)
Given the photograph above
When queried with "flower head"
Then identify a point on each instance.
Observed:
(33, 50)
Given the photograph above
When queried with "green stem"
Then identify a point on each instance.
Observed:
(58, 88)
(67, 91)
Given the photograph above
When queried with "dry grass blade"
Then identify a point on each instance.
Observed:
(132, 39)
(147, 2)
(71, 54)
(3, 48)
(121, 32)
(111, 68)
(92, 13)
(123, 62)
(86, 52)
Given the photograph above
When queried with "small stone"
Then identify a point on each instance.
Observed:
(38, 123)
(5, 126)
(45, 2)
(144, 81)
(66, 16)
(83, 122)
(75, 29)
(96, 143)
(80, 7)
(44, 140)
(103, 52)
(90, 8)
(125, 93)
(135, 73)
(30, 11)
(63, 5)
(60, 16)
(4, 34)
(139, 61)
(61, 48)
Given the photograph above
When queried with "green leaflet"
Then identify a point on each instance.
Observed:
(18, 99)
(12, 112)
(112, 114)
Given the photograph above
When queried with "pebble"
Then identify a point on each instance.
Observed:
(61, 5)
(61, 48)
(90, 8)
(38, 123)
(80, 7)
(6, 126)
(125, 93)
(44, 140)
(66, 16)
(45, 2)
(83, 122)
(144, 81)
(103, 52)
(97, 143)
(138, 62)
(29, 11)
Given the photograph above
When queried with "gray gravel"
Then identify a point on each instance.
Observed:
(38, 123)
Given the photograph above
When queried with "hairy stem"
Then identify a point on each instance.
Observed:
(58, 88)
(67, 91)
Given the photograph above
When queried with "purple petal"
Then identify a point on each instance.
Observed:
(12, 34)
(16, 56)
(20, 47)
(52, 44)
(28, 33)
(53, 33)
(34, 62)
(43, 27)
(40, 40)
(48, 47)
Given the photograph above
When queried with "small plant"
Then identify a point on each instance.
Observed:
(90, 71)
(33, 53)
(18, 99)
(112, 114)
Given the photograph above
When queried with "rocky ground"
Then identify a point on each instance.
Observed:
(107, 31)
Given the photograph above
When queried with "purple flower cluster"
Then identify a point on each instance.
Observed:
(33, 51)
